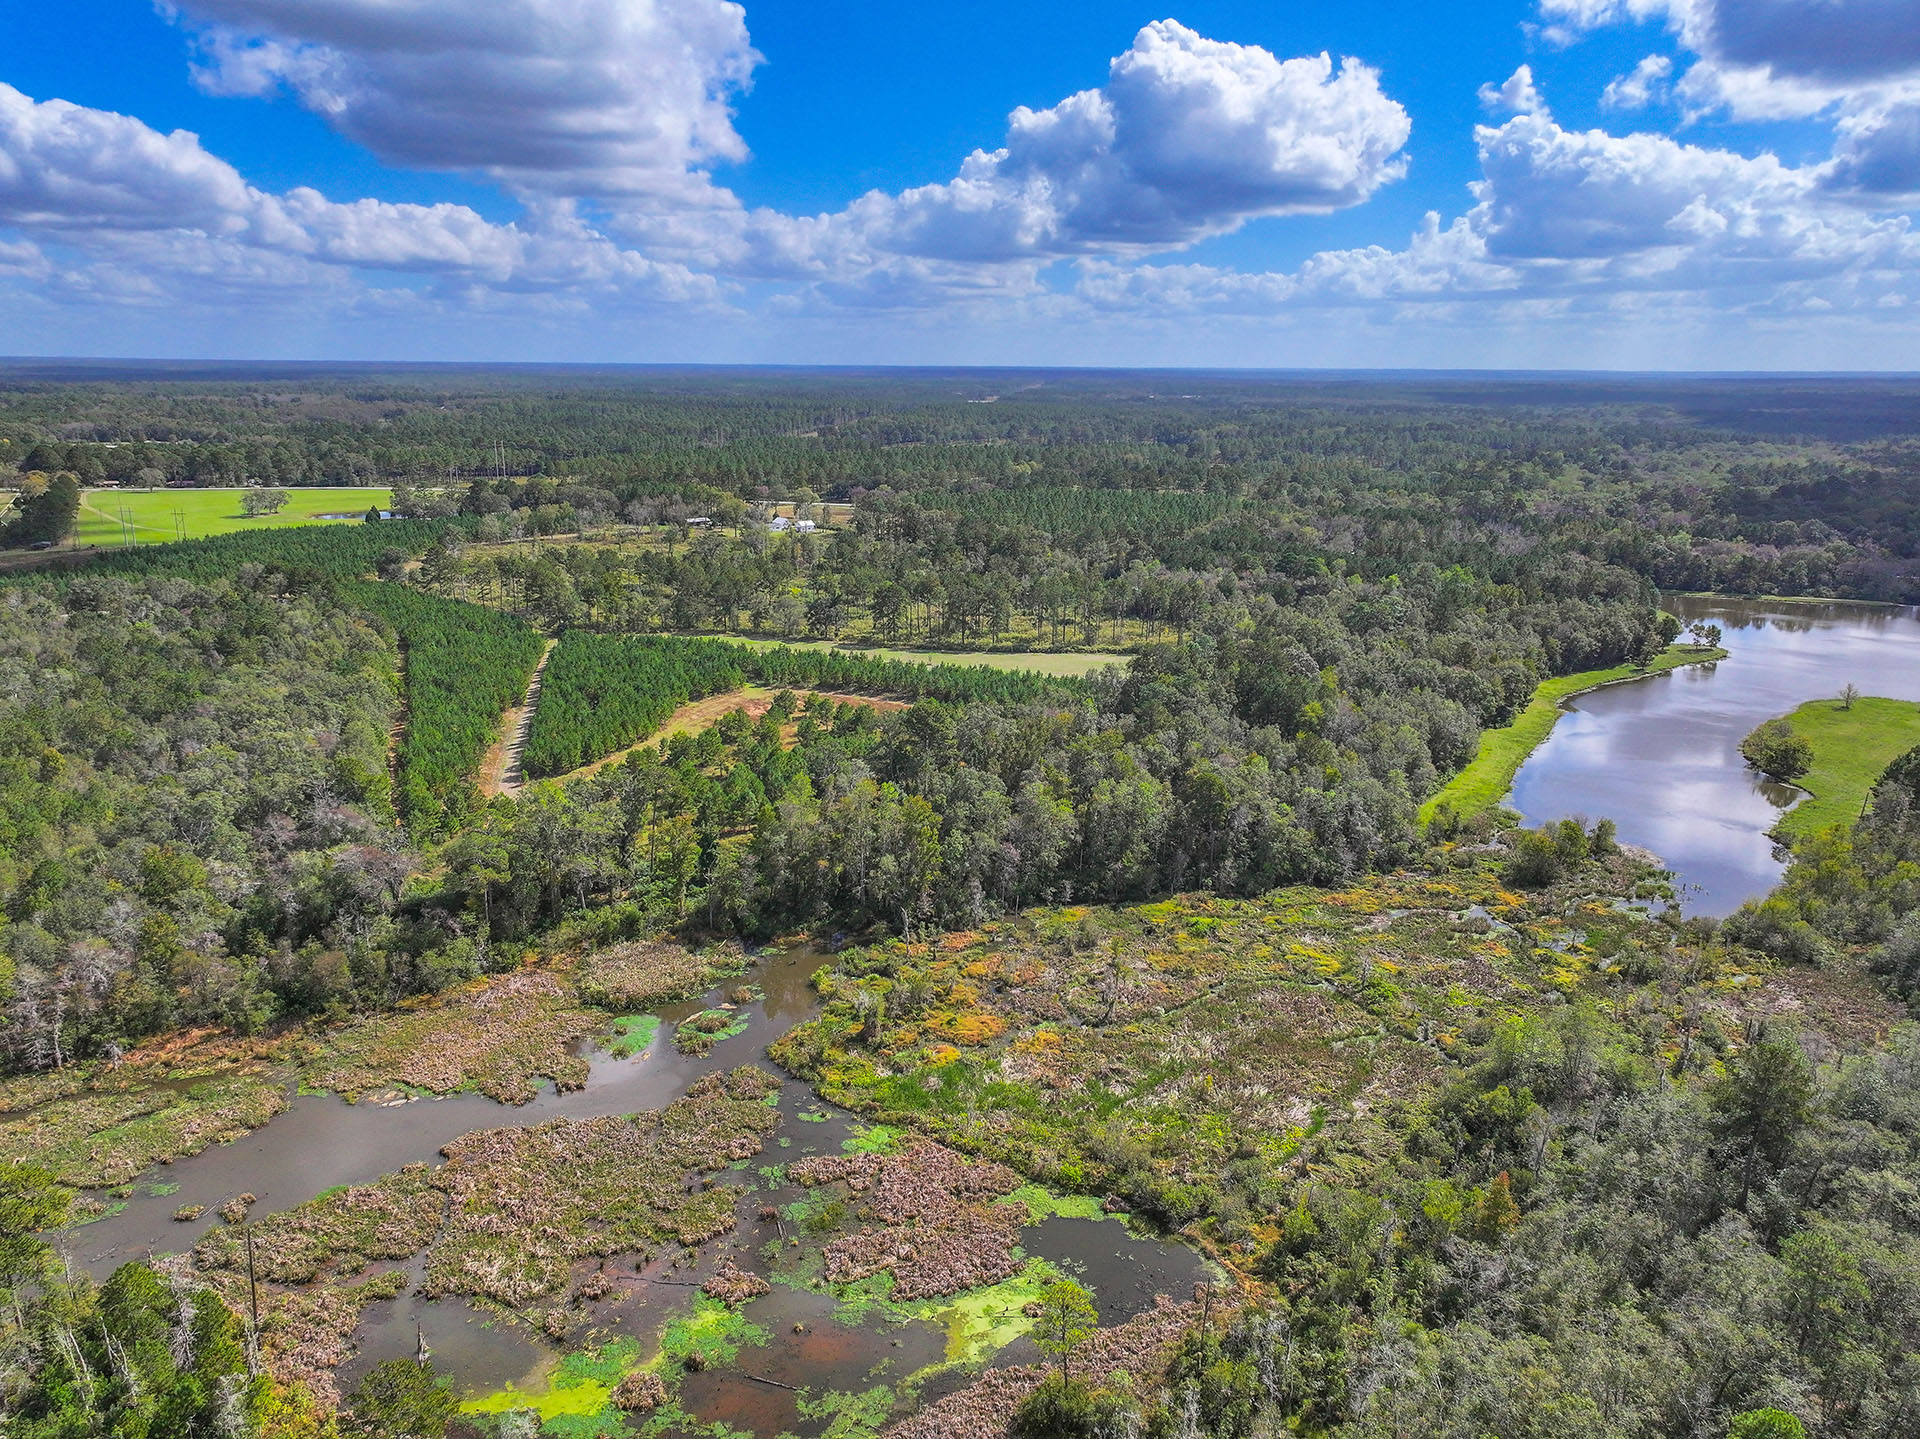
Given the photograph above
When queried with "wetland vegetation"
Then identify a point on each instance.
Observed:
(1019, 1043)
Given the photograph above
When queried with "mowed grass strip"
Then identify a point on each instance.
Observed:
(1486, 781)
(1851, 749)
(151, 513)
(1046, 662)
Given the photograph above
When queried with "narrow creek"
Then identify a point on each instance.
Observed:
(1661, 756)
(814, 1343)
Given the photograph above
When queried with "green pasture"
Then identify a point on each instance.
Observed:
(1851, 749)
(158, 516)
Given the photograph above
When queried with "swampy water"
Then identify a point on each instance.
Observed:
(1660, 756)
(814, 1343)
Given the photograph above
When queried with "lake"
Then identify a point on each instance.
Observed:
(1660, 756)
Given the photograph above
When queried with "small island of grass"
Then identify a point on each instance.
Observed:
(1852, 748)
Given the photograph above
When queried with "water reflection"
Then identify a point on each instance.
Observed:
(1661, 756)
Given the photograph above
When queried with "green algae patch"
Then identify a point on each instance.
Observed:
(632, 1034)
(1043, 1204)
(872, 1139)
(712, 1334)
(586, 1399)
(867, 1299)
(981, 1322)
(581, 1389)
(849, 1416)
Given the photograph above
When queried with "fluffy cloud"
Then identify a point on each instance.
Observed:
(146, 206)
(1564, 214)
(1556, 194)
(64, 166)
(1640, 86)
(556, 97)
(1189, 137)
(1519, 95)
(1769, 59)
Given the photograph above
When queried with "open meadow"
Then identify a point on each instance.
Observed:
(110, 517)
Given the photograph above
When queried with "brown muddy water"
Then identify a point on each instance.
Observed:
(1661, 757)
(813, 1344)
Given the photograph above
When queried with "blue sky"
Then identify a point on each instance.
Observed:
(1568, 183)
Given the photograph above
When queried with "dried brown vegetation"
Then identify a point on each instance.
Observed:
(494, 1035)
(524, 1204)
(985, 1408)
(641, 974)
(939, 1228)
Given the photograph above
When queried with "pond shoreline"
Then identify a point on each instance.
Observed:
(1488, 777)
(1663, 761)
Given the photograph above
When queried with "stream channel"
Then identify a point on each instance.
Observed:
(1661, 756)
(321, 1141)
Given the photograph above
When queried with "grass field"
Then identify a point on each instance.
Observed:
(1850, 750)
(208, 512)
(1039, 661)
(1485, 782)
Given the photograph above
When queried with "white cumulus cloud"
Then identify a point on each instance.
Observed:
(149, 209)
(1518, 95)
(1189, 137)
(557, 97)
(1640, 86)
(1564, 214)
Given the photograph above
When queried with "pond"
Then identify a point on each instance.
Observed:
(1660, 756)
(811, 1343)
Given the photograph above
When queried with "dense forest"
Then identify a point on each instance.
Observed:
(270, 784)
